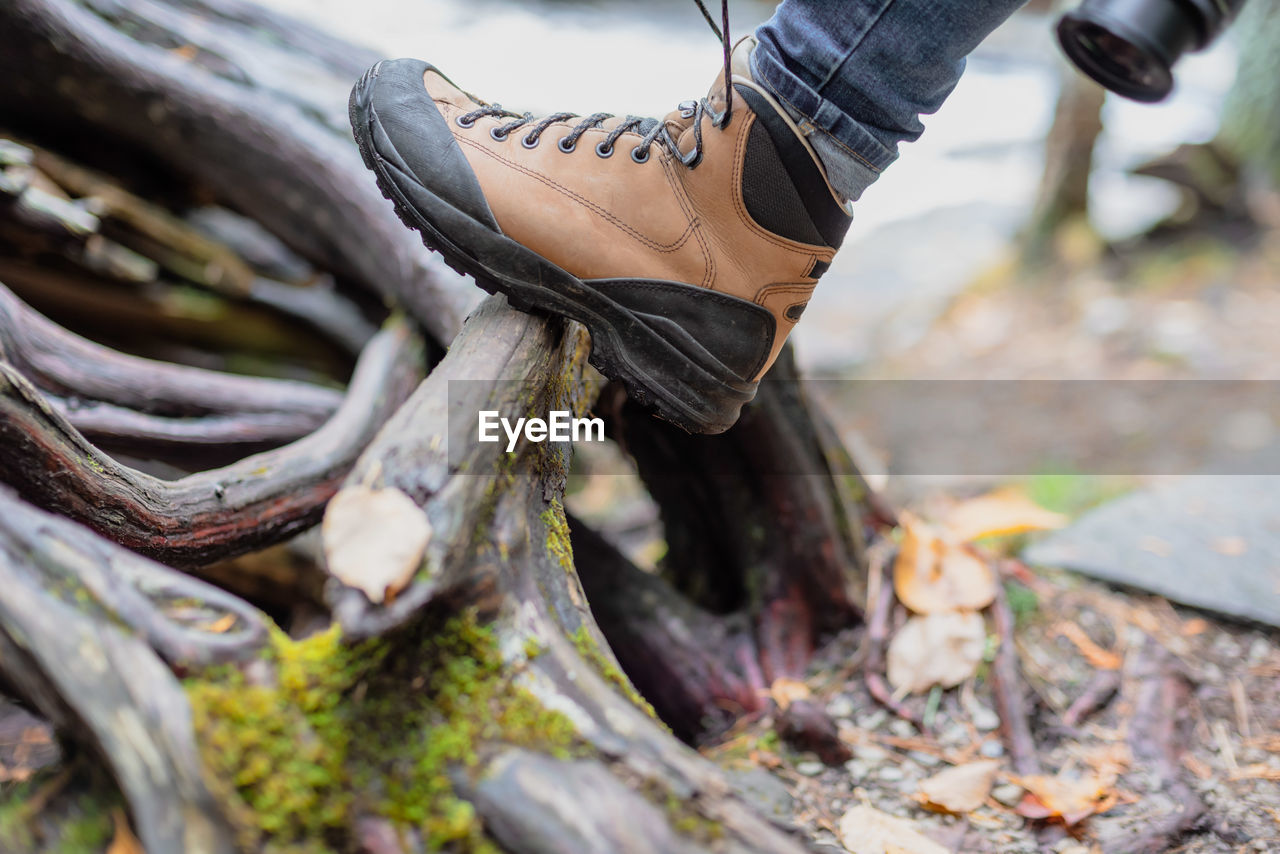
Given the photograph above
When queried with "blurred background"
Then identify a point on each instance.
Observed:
(1038, 230)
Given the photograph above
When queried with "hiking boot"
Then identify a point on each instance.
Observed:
(687, 245)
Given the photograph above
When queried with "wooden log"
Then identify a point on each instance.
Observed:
(212, 514)
(80, 620)
(500, 546)
(264, 134)
(67, 365)
(182, 441)
(760, 519)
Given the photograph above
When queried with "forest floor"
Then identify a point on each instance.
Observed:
(1195, 770)
(1198, 310)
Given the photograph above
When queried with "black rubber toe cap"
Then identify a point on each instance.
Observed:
(409, 133)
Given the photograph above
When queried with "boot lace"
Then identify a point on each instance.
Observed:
(653, 131)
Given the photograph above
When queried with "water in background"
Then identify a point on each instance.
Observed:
(943, 212)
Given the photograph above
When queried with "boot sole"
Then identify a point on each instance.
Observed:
(657, 375)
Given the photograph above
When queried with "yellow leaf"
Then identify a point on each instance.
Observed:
(124, 841)
(786, 691)
(1005, 511)
(933, 575)
(961, 789)
(1067, 800)
(866, 830)
(938, 649)
(221, 625)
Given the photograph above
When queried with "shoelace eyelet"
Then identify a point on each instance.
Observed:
(464, 122)
(637, 157)
(604, 151)
(530, 142)
(567, 149)
(496, 135)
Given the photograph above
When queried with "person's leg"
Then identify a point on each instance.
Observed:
(688, 245)
(857, 76)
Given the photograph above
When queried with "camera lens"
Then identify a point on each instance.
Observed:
(1131, 46)
(1118, 64)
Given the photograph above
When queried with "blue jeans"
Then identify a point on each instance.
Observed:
(857, 74)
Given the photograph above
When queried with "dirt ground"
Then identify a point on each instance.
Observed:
(1176, 712)
(1228, 730)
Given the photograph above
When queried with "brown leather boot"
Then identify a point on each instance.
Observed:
(688, 246)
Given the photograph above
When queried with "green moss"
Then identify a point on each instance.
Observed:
(587, 648)
(689, 822)
(84, 807)
(558, 544)
(371, 728)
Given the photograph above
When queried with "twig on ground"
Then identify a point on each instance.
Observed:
(880, 603)
(1007, 684)
(1101, 688)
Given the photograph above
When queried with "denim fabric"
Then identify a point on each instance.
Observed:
(857, 74)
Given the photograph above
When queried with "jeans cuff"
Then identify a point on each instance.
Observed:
(852, 157)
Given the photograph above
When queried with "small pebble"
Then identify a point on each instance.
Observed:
(809, 768)
(857, 769)
(901, 728)
(890, 774)
(840, 707)
(872, 753)
(1259, 650)
(928, 760)
(992, 749)
(1007, 794)
(875, 720)
(983, 718)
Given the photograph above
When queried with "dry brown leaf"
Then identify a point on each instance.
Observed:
(1005, 511)
(1097, 656)
(961, 789)
(374, 540)
(1067, 800)
(786, 691)
(221, 625)
(1194, 626)
(933, 574)
(866, 830)
(938, 649)
(124, 841)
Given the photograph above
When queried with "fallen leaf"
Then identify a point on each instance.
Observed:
(1067, 800)
(786, 691)
(1005, 511)
(938, 649)
(1094, 654)
(1194, 626)
(866, 830)
(961, 789)
(221, 625)
(933, 574)
(124, 841)
(374, 540)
